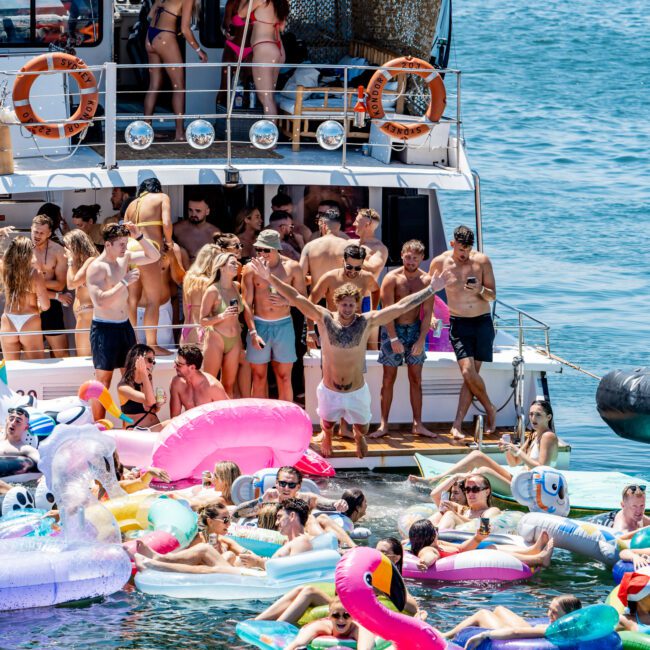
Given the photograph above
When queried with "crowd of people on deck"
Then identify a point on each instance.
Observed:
(249, 302)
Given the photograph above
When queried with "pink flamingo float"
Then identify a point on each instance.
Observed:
(358, 574)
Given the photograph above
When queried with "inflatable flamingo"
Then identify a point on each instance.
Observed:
(357, 573)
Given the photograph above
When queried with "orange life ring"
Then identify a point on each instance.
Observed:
(52, 62)
(436, 105)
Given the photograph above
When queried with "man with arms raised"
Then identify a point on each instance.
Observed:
(50, 261)
(274, 338)
(195, 231)
(351, 271)
(324, 253)
(192, 387)
(403, 339)
(108, 279)
(469, 293)
(151, 213)
(343, 392)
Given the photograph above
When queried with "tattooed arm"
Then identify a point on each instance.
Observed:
(391, 312)
(248, 508)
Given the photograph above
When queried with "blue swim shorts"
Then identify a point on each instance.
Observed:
(408, 335)
(280, 340)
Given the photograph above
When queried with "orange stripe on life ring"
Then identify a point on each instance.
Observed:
(88, 101)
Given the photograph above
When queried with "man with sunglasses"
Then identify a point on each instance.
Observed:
(343, 392)
(12, 441)
(195, 231)
(351, 271)
(273, 339)
(403, 340)
(632, 515)
(192, 386)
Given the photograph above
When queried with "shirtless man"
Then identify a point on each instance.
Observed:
(324, 253)
(192, 387)
(343, 392)
(403, 339)
(274, 338)
(471, 331)
(195, 231)
(632, 516)
(16, 426)
(151, 213)
(351, 271)
(292, 244)
(283, 202)
(50, 261)
(108, 278)
(119, 196)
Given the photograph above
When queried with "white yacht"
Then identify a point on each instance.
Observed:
(324, 151)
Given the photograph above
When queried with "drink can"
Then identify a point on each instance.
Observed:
(160, 395)
(437, 330)
(206, 478)
(212, 539)
(506, 438)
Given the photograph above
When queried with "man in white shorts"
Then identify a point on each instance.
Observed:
(343, 392)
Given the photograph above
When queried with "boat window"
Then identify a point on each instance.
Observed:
(64, 23)
(405, 215)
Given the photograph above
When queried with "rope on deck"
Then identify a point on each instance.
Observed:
(575, 366)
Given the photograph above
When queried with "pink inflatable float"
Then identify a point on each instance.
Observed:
(254, 433)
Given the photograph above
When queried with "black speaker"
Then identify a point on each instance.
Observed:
(404, 218)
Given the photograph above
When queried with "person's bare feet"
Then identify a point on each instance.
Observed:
(141, 562)
(420, 430)
(362, 447)
(491, 420)
(382, 430)
(142, 549)
(457, 435)
(541, 542)
(344, 430)
(323, 445)
(547, 553)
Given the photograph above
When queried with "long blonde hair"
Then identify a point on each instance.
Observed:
(17, 271)
(227, 472)
(80, 245)
(199, 275)
(219, 262)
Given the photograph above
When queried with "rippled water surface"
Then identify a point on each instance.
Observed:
(555, 100)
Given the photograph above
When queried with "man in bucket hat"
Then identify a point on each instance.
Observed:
(273, 339)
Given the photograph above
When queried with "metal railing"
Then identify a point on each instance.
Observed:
(107, 76)
(520, 327)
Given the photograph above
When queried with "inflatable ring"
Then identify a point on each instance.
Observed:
(436, 106)
(88, 102)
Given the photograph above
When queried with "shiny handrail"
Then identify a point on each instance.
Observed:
(520, 327)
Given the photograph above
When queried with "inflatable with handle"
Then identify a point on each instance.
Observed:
(253, 486)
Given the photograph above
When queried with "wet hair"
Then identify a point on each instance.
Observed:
(279, 215)
(347, 290)
(568, 603)
(355, 252)
(192, 355)
(113, 231)
(298, 506)
(138, 350)
(369, 213)
(354, 498)
(422, 534)
(486, 484)
(396, 548)
(53, 211)
(464, 236)
(43, 220)
(281, 199)
(227, 472)
(151, 185)
(240, 219)
(211, 511)
(413, 245)
(267, 515)
(199, 274)
(290, 469)
(88, 213)
(17, 271)
(80, 245)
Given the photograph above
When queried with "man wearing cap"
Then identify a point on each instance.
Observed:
(11, 442)
(632, 515)
(634, 593)
(272, 316)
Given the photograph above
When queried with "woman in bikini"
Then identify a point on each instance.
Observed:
(233, 31)
(220, 311)
(196, 281)
(162, 47)
(136, 392)
(25, 298)
(267, 20)
(80, 252)
(248, 224)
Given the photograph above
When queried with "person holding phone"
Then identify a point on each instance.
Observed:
(471, 330)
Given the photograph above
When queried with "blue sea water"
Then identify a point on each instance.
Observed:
(555, 100)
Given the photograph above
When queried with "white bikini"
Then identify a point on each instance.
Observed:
(19, 320)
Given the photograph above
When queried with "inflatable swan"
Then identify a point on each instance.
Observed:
(87, 560)
(63, 410)
(362, 570)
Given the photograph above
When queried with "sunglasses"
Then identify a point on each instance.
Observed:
(226, 520)
(338, 615)
(237, 246)
(352, 267)
(17, 410)
(474, 489)
(263, 250)
(150, 360)
(633, 488)
(288, 484)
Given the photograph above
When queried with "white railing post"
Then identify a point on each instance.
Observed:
(110, 116)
